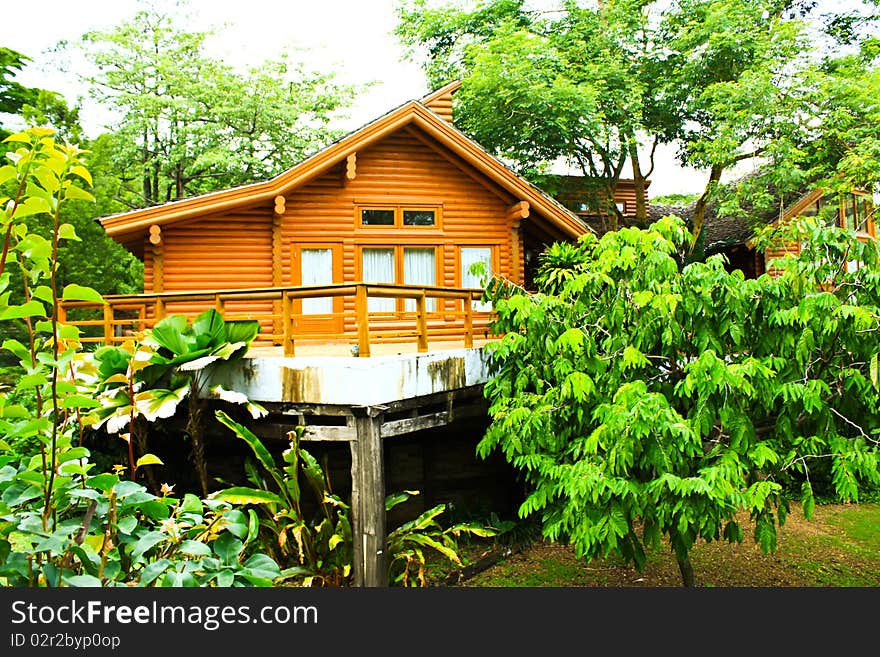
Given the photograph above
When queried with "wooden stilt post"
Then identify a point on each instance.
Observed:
(368, 499)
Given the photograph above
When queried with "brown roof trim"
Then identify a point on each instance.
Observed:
(122, 226)
(450, 88)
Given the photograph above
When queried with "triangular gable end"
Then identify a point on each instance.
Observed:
(131, 226)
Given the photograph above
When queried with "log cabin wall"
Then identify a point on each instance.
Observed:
(233, 251)
(441, 104)
(404, 170)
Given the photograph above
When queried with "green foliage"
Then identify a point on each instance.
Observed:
(675, 199)
(314, 547)
(642, 399)
(60, 524)
(191, 123)
(35, 106)
(723, 81)
(111, 532)
(311, 536)
(174, 361)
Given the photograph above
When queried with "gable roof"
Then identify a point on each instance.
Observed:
(125, 226)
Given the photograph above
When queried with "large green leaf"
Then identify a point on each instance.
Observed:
(169, 333)
(227, 548)
(159, 403)
(244, 495)
(242, 330)
(257, 447)
(74, 292)
(209, 329)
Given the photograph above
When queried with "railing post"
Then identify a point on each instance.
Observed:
(422, 322)
(287, 323)
(160, 309)
(362, 317)
(61, 313)
(468, 321)
(218, 303)
(108, 324)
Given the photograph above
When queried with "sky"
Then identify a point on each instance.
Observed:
(352, 38)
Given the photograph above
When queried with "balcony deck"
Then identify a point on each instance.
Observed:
(430, 341)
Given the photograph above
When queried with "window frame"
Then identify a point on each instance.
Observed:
(494, 256)
(398, 209)
(398, 250)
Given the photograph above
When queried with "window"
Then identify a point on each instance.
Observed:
(396, 264)
(470, 255)
(377, 217)
(418, 217)
(317, 269)
(419, 268)
(378, 267)
(849, 211)
(862, 212)
(398, 216)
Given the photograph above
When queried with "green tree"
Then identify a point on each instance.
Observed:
(189, 123)
(599, 87)
(643, 399)
(35, 106)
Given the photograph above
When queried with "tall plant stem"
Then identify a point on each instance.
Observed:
(53, 284)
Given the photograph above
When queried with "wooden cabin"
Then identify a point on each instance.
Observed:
(733, 235)
(853, 211)
(587, 198)
(385, 223)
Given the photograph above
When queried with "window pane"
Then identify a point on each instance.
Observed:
(469, 257)
(862, 213)
(811, 211)
(849, 213)
(377, 217)
(378, 267)
(829, 211)
(418, 217)
(317, 269)
(419, 268)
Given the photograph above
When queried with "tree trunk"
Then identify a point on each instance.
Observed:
(702, 202)
(140, 432)
(194, 429)
(639, 183)
(687, 570)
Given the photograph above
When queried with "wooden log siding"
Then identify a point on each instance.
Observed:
(442, 106)
(238, 251)
(779, 251)
(399, 171)
(220, 254)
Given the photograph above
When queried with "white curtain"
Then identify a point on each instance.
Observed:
(419, 268)
(471, 255)
(317, 269)
(378, 267)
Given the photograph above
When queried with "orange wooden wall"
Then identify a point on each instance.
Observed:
(235, 251)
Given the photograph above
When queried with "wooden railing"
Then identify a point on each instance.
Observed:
(452, 317)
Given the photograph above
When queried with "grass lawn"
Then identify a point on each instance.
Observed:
(838, 547)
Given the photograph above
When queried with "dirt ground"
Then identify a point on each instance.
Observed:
(818, 552)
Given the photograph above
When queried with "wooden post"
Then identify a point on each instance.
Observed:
(277, 263)
(160, 309)
(108, 324)
(362, 317)
(158, 267)
(468, 322)
(287, 324)
(218, 303)
(422, 322)
(61, 313)
(516, 253)
(368, 499)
